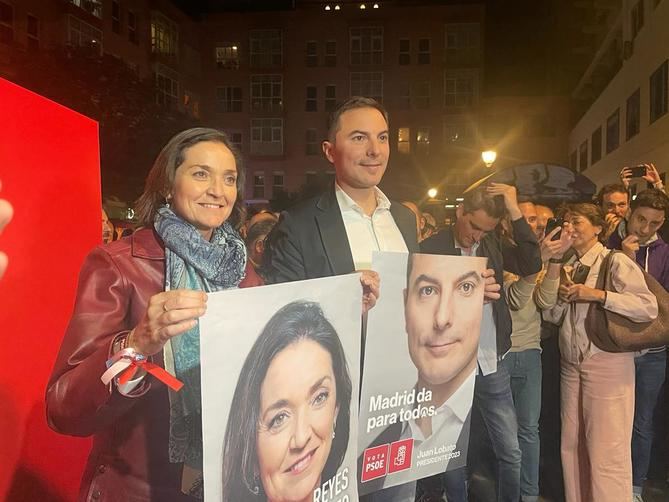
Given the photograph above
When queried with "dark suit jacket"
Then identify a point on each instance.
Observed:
(310, 240)
(525, 259)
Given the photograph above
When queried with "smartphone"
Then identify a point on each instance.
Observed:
(638, 171)
(551, 225)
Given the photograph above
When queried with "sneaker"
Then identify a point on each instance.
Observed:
(636, 497)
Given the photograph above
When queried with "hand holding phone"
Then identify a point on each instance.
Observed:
(638, 171)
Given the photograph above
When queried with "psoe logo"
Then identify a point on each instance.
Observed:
(400, 455)
(375, 462)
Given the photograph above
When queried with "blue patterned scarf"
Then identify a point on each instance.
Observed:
(193, 263)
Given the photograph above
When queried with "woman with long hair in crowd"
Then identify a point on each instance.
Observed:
(140, 297)
(597, 387)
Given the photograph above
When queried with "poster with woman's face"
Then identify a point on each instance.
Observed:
(280, 380)
(420, 364)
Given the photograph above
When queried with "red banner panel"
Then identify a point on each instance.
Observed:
(50, 171)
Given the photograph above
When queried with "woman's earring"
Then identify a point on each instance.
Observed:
(334, 427)
(167, 201)
(256, 484)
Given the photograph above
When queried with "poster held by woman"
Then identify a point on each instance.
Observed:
(280, 390)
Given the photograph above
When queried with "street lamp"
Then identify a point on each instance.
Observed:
(432, 193)
(489, 157)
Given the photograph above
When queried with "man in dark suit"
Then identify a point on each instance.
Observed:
(337, 231)
(472, 234)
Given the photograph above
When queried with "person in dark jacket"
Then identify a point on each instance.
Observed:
(638, 238)
(472, 234)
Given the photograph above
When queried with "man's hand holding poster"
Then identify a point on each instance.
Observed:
(419, 369)
(280, 380)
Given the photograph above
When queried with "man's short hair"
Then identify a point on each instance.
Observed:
(352, 103)
(609, 189)
(652, 198)
(478, 199)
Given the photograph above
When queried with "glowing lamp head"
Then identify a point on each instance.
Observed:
(489, 157)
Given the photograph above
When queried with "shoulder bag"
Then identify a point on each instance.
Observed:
(613, 332)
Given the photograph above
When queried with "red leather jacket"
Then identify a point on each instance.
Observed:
(129, 459)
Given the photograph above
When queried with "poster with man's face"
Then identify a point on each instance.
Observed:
(419, 368)
(280, 379)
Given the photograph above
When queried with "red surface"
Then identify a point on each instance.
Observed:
(50, 171)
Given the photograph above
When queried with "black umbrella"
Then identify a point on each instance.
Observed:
(549, 184)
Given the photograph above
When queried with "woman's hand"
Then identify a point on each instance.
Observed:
(581, 293)
(557, 248)
(370, 289)
(491, 288)
(168, 314)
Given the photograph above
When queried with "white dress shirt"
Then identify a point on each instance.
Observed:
(367, 234)
(447, 426)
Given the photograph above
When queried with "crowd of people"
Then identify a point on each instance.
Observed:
(141, 296)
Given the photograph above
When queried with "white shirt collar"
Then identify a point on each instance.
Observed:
(472, 250)
(346, 203)
(459, 405)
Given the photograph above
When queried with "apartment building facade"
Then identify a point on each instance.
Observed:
(624, 92)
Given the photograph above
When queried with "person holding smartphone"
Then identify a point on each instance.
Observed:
(597, 387)
(647, 172)
(638, 238)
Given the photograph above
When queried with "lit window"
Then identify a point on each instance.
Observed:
(164, 35)
(227, 57)
(423, 141)
(404, 140)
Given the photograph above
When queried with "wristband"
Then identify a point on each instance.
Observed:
(125, 363)
(556, 260)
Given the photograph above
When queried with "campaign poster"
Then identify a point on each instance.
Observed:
(280, 380)
(419, 369)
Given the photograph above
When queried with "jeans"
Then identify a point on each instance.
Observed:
(492, 396)
(650, 371)
(525, 371)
